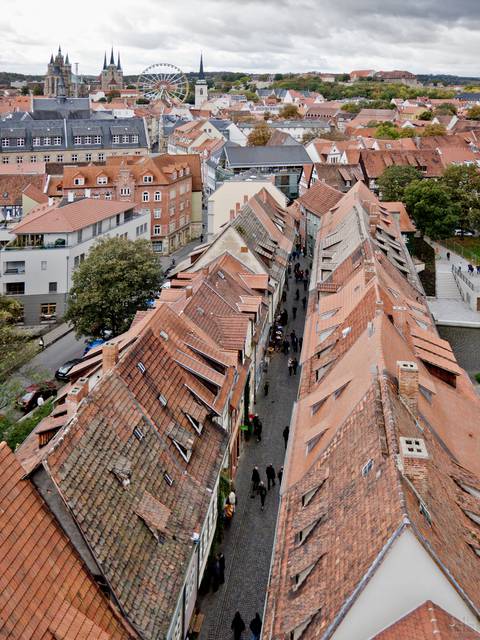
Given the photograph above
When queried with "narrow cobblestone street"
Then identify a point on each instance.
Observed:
(248, 542)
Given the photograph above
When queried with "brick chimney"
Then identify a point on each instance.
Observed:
(373, 218)
(407, 373)
(109, 356)
(245, 199)
(414, 462)
(232, 214)
(76, 394)
(237, 207)
(188, 291)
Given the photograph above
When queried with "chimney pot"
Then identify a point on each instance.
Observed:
(109, 356)
(407, 373)
(188, 291)
(245, 199)
(76, 394)
(237, 207)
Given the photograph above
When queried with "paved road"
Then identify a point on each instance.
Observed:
(55, 355)
(248, 542)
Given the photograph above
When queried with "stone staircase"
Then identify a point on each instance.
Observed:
(446, 285)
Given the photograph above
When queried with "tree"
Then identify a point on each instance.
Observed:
(463, 184)
(387, 131)
(308, 136)
(474, 113)
(352, 107)
(432, 207)
(289, 111)
(394, 180)
(12, 342)
(434, 130)
(112, 94)
(259, 135)
(25, 91)
(426, 115)
(38, 90)
(117, 279)
(446, 109)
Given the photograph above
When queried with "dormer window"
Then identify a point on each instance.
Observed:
(310, 494)
(162, 399)
(79, 181)
(196, 424)
(182, 440)
(102, 180)
(147, 179)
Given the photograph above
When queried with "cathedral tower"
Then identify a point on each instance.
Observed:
(201, 89)
(111, 76)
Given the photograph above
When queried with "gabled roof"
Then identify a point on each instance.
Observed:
(42, 574)
(269, 156)
(320, 198)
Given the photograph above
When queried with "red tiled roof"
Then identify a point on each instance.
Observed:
(320, 198)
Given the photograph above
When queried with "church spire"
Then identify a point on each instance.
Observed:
(59, 50)
(119, 66)
(105, 61)
(201, 74)
(67, 60)
(112, 61)
(51, 59)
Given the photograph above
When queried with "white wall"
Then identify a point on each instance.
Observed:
(406, 578)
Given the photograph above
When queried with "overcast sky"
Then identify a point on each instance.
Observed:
(430, 36)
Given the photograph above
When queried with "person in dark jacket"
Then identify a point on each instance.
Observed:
(255, 481)
(257, 427)
(294, 312)
(294, 366)
(221, 566)
(270, 471)
(304, 302)
(266, 387)
(237, 626)
(297, 294)
(262, 490)
(286, 431)
(256, 627)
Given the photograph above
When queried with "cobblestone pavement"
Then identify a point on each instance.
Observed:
(248, 542)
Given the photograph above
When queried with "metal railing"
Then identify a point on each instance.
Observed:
(467, 278)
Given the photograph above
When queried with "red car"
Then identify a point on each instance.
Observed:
(30, 398)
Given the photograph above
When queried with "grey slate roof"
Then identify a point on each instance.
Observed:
(274, 156)
(49, 108)
(289, 124)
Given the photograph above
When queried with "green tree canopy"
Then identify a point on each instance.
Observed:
(432, 207)
(474, 113)
(289, 111)
(394, 180)
(117, 279)
(446, 109)
(387, 131)
(426, 115)
(25, 91)
(434, 130)
(259, 135)
(463, 184)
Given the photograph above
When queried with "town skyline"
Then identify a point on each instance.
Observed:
(428, 39)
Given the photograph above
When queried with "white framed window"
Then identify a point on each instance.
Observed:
(36, 141)
(5, 142)
(187, 171)
(97, 139)
(180, 173)
(57, 140)
(116, 139)
(125, 191)
(157, 213)
(134, 139)
(88, 140)
(88, 157)
(19, 159)
(101, 157)
(20, 142)
(157, 230)
(125, 139)
(147, 179)
(74, 157)
(145, 196)
(102, 180)
(172, 194)
(5, 160)
(33, 158)
(77, 139)
(108, 196)
(182, 206)
(174, 175)
(79, 181)
(171, 210)
(47, 141)
(158, 196)
(59, 158)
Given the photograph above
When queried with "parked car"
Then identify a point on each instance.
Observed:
(91, 344)
(465, 232)
(29, 400)
(62, 373)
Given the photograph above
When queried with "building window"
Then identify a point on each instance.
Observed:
(148, 178)
(57, 140)
(5, 142)
(77, 139)
(20, 142)
(33, 158)
(59, 158)
(52, 287)
(158, 196)
(157, 230)
(19, 159)
(80, 235)
(101, 157)
(5, 159)
(125, 139)
(135, 139)
(48, 311)
(88, 157)
(157, 213)
(47, 141)
(96, 228)
(108, 196)
(116, 139)
(145, 196)
(102, 180)
(78, 181)
(97, 139)
(182, 206)
(36, 142)
(88, 140)
(15, 288)
(172, 210)
(125, 191)
(43, 265)
(172, 194)
(46, 158)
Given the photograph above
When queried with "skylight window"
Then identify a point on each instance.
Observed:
(168, 479)
(164, 335)
(184, 452)
(138, 433)
(162, 399)
(340, 390)
(328, 314)
(474, 517)
(367, 468)
(309, 495)
(141, 367)
(196, 424)
(425, 512)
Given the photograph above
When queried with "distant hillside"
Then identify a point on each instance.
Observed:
(446, 79)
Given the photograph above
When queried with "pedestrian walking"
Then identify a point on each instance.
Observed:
(297, 294)
(286, 431)
(232, 499)
(257, 427)
(305, 283)
(448, 256)
(284, 296)
(286, 346)
(262, 490)
(266, 386)
(294, 311)
(221, 565)
(237, 626)
(295, 366)
(41, 343)
(470, 269)
(255, 482)
(289, 270)
(290, 366)
(304, 302)
(280, 475)
(478, 269)
(300, 343)
(307, 272)
(270, 471)
(284, 318)
(216, 574)
(201, 238)
(293, 335)
(295, 345)
(256, 627)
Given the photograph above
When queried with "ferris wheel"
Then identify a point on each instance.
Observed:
(163, 82)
